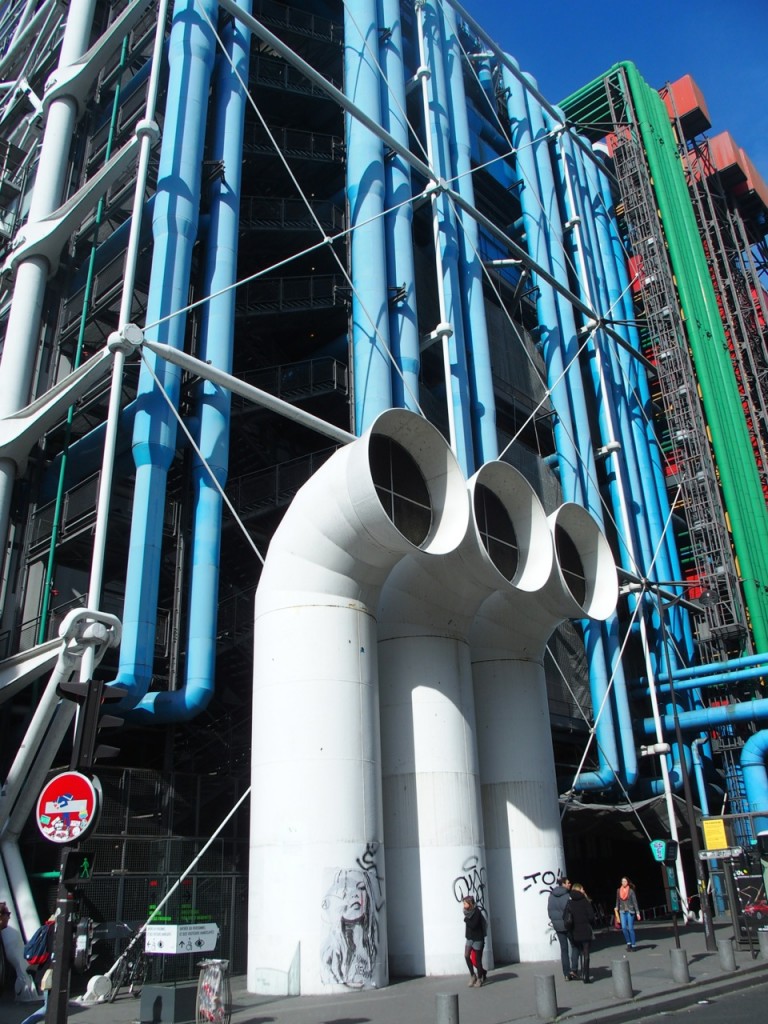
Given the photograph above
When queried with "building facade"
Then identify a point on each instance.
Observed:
(272, 272)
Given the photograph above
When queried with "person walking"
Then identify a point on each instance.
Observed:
(627, 910)
(13, 950)
(579, 915)
(474, 935)
(557, 903)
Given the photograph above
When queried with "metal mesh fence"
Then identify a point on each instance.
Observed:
(151, 829)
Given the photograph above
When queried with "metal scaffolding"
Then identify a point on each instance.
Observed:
(706, 552)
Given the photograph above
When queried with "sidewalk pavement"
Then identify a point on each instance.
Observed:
(511, 994)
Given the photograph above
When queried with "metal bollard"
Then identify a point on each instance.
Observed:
(622, 979)
(447, 1007)
(726, 954)
(546, 998)
(762, 938)
(679, 960)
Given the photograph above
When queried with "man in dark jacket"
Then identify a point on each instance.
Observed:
(556, 904)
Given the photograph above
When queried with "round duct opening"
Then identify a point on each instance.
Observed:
(511, 526)
(571, 565)
(496, 530)
(586, 566)
(403, 466)
(401, 488)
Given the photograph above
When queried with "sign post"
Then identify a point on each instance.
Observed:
(665, 852)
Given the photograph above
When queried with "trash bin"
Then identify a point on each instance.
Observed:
(214, 994)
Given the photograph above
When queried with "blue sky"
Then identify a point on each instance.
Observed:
(723, 45)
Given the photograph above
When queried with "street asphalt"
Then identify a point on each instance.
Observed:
(524, 993)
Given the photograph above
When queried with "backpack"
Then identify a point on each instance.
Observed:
(37, 950)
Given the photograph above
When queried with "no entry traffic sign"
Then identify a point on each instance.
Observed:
(68, 807)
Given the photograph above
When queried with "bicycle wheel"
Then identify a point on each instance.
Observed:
(138, 975)
(117, 980)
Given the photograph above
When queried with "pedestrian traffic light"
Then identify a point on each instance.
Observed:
(664, 851)
(76, 867)
(670, 854)
(91, 695)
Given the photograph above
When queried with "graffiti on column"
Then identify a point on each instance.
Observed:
(351, 906)
(471, 882)
(541, 880)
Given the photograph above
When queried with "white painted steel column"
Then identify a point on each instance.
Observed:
(523, 839)
(317, 917)
(432, 816)
(22, 333)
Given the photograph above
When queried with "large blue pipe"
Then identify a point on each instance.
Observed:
(365, 196)
(718, 667)
(715, 679)
(401, 277)
(647, 553)
(541, 220)
(751, 711)
(632, 537)
(441, 130)
(638, 405)
(486, 443)
(602, 639)
(629, 385)
(216, 348)
(174, 227)
(539, 205)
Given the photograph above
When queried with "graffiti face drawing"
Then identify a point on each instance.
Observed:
(350, 919)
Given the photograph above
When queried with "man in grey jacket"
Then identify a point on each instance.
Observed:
(556, 904)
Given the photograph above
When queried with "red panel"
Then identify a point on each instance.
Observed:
(684, 99)
(726, 154)
(755, 182)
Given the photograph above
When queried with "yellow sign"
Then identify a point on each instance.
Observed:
(714, 833)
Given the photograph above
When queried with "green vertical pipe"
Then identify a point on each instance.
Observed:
(59, 502)
(744, 501)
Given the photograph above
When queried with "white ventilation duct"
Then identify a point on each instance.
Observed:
(317, 917)
(432, 815)
(523, 839)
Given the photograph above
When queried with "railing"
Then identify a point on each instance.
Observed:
(269, 488)
(294, 143)
(287, 294)
(303, 379)
(281, 16)
(290, 214)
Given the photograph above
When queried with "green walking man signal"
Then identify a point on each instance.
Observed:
(664, 851)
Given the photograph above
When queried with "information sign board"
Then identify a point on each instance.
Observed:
(181, 938)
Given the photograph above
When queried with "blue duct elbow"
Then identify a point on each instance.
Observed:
(190, 53)
(216, 347)
(753, 758)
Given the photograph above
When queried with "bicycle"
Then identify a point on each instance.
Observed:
(131, 968)
(214, 995)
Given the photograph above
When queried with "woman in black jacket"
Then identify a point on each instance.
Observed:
(474, 934)
(579, 916)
